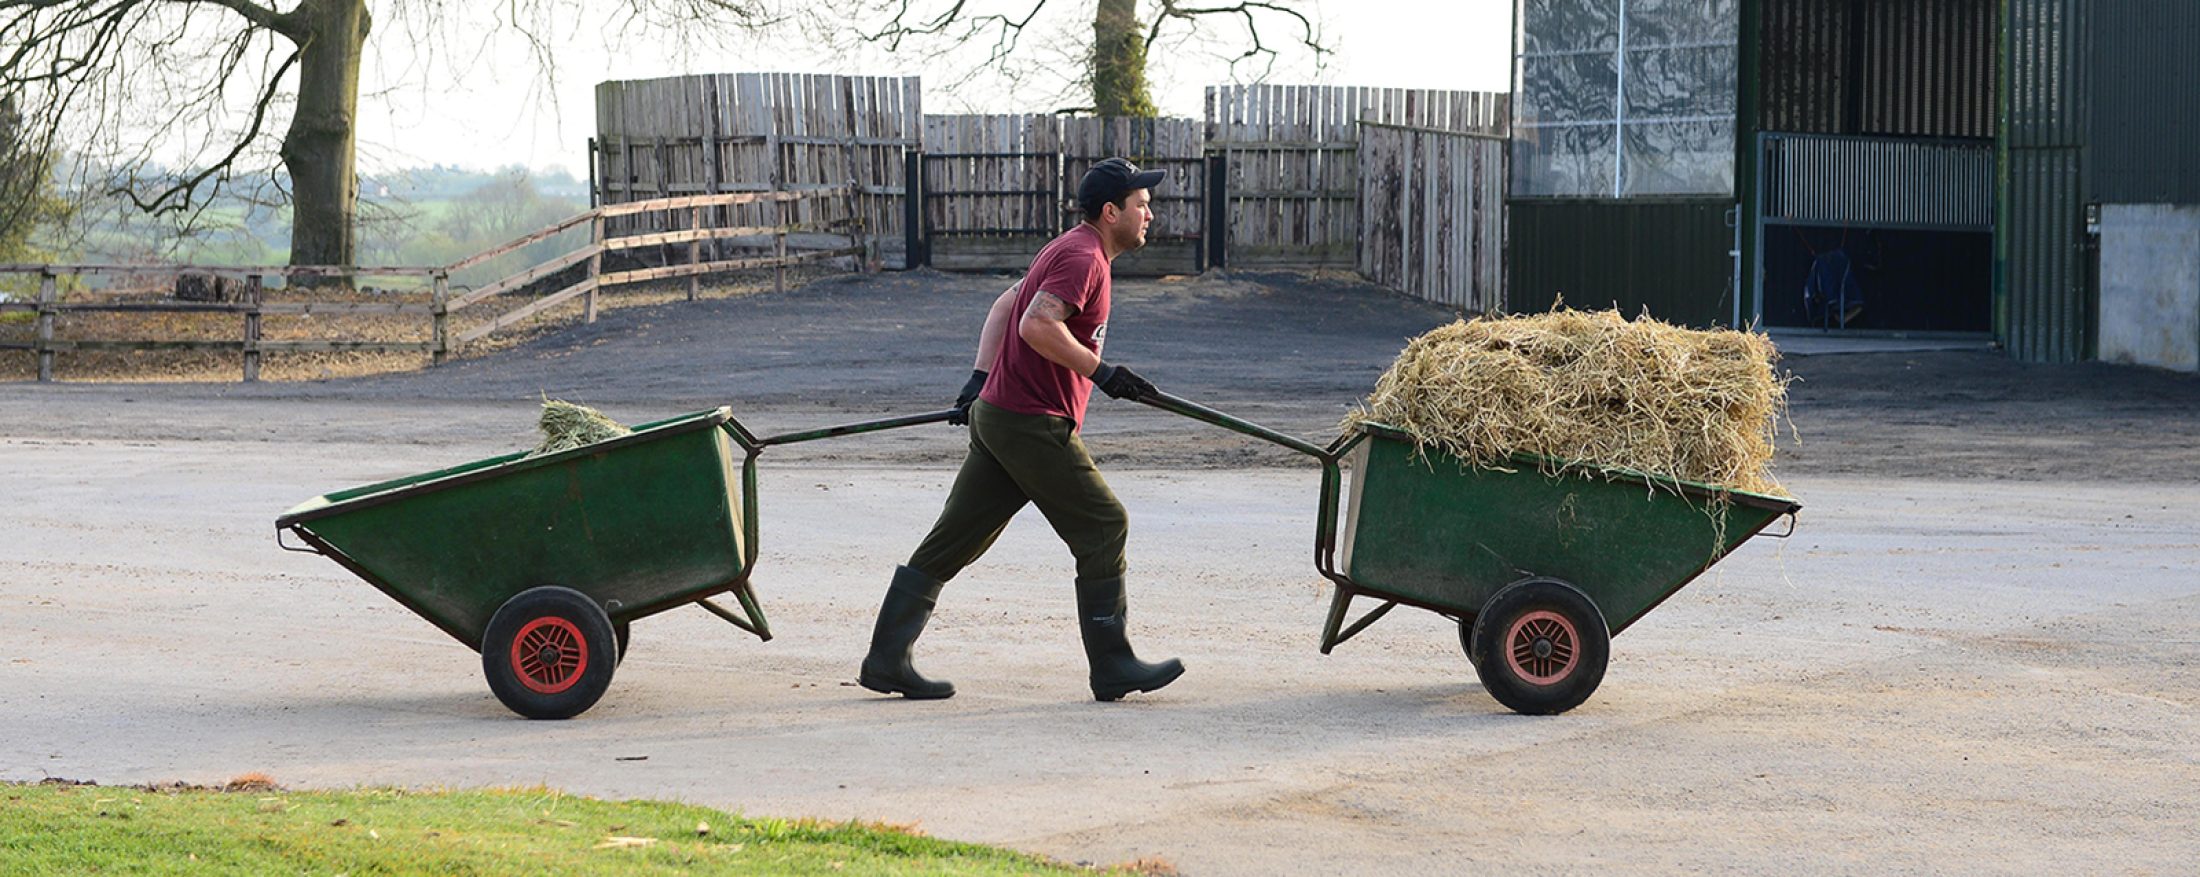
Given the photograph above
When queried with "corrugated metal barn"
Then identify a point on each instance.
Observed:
(2026, 170)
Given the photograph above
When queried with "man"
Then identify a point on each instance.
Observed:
(1024, 403)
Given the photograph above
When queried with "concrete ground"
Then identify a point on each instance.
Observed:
(1977, 654)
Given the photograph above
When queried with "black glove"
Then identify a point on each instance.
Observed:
(1119, 382)
(971, 389)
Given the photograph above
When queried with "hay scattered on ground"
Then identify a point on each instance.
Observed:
(566, 426)
(1591, 388)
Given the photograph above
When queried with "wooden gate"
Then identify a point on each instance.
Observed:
(1291, 151)
(1432, 214)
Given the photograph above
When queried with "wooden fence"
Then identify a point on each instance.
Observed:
(1291, 153)
(1432, 214)
(996, 187)
(687, 218)
(998, 181)
(760, 132)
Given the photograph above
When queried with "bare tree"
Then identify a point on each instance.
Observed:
(1113, 64)
(116, 78)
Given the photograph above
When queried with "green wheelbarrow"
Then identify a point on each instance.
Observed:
(1539, 570)
(541, 563)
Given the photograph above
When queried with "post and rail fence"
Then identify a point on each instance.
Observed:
(688, 216)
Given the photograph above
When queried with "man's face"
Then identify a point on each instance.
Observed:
(1127, 229)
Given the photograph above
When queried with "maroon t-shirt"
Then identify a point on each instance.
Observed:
(1072, 268)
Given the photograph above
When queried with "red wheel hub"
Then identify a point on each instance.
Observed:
(549, 655)
(1541, 647)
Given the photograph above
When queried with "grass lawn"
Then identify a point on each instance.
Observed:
(255, 828)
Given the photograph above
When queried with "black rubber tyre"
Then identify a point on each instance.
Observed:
(623, 631)
(1466, 644)
(1540, 646)
(549, 653)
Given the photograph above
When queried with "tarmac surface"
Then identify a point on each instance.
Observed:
(1980, 652)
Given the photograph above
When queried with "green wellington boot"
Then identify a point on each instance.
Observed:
(908, 606)
(1115, 670)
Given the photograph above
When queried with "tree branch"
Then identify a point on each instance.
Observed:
(188, 188)
(290, 24)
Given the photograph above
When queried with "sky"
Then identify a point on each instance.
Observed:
(473, 98)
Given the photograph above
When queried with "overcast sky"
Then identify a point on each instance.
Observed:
(486, 106)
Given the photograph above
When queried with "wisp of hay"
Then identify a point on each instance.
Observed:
(566, 426)
(1590, 389)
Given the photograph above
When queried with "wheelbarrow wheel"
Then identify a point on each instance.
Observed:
(1540, 646)
(622, 631)
(549, 653)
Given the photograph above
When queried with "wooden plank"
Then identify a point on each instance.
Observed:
(344, 308)
(172, 307)
(324, 346)
(685, 236)
(641, 274)
(516, 243)
(67, 345)
(727, 199)
(519, 314)
(528, 276)
(237, 271)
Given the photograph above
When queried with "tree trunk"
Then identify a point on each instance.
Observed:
(322, 143)
(1119, 61)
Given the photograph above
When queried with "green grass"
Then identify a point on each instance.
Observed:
(62, 829)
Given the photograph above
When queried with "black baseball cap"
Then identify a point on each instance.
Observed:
(1111, 179)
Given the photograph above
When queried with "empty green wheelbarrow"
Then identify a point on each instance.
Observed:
(1539, 570)
(541, 563)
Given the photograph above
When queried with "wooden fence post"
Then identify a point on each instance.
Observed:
(1218, 210)
(252, 289)
(442, 312)
(779, 262)
(695, 251)
(46, 297)
(595, 264)
(912, 208)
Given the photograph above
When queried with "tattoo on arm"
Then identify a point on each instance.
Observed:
(1046, 306)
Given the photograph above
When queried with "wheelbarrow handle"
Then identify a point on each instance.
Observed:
(856, 428)
(1196, 411)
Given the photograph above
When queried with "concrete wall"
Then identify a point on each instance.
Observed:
(2150, 285)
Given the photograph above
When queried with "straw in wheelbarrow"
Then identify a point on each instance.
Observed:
(1591, 388)
(566, 426)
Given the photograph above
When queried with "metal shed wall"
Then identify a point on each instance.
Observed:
(2047, 310)
(1922, 68)
(1668, 256)
(2146, 104)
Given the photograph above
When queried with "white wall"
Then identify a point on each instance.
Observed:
(2150, 285)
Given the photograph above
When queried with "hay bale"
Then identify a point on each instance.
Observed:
(1591, 388)
(566, 426)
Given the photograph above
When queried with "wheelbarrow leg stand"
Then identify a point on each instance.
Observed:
(754, 623)
(1340, 604)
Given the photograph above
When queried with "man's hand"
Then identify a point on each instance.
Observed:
(1119, 382)
(971, 389)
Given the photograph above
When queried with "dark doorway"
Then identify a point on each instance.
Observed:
(1878, 279)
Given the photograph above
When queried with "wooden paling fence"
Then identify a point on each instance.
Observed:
(1286, 195)
(1293, 169)
(759, 132)
(995, 187)
(688, 224)
(1432, 214)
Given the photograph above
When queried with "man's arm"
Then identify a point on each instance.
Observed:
(996, 328)
(1042, 328)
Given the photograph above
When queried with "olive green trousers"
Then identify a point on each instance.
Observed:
(1016, 459)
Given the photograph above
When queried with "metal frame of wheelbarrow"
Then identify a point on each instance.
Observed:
(1334, 629)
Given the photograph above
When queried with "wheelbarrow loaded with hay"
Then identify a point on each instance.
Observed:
(1544, 481)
